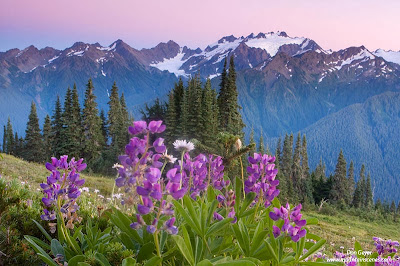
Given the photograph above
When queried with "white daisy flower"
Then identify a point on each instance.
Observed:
(116, 165)
(96, 191)
(85, 189)
(183, 145)
(169, 157)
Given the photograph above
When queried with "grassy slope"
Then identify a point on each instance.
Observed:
(34, 174)
(339, 230)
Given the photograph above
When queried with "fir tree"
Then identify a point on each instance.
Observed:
(378, 205)
(115, 121)
(171, 119)
(278, 156)
(369, 201)
(208, 121)
(57, 127)
(93, 141)
(157, 111)
(33, 148)
(230, 117)
(4, 150)
(126, 118)
(47, 138)
(261, 148)
(76, 125)
(184, 118)
(359, 198)
(350, 184)
(67, 131)
(304, 158)
(251, 141)
(393, 208)
(195, 122)
(104, 130)
(297, 170)
(17, 147)
(9, 138)
(339, 182)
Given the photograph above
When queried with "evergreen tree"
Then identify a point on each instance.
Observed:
(4, 150)
(251, 140)
(195, 122)
(369, 201)
(230, 117)
(378, 205)
(9, 137)
(33, 148)
(208, 121)
(104, 130)
(339, 182)
(157, 111)
(115, 121)
(184, 118)
(287, 157)
(171, 119)
(47, 138)
(278, 160)
(17, 147)
(76, 138)
(397, 212)
(350, 184)
(304, 158)
(261, 148)
(93, 141)
(67, 131)
(297, 170)
(57, 127)
(126, 118)
(393, 208)
(359, 198)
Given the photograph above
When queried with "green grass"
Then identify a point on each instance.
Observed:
(34, 174)
(340, 230)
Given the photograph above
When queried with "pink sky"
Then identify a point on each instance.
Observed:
(332, 24)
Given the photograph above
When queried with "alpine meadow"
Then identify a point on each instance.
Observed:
(263, 149)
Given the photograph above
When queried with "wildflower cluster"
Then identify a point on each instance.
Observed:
(292, 222)
(62, 189)
(228, 202)
(140, 175)
(261, 179)
(385, 247)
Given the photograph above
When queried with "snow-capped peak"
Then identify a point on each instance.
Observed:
(390, 56)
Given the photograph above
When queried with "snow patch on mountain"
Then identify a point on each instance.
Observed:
(364, 55)
(172, 65)
(109, 48)
(272, 42)
(390, 56)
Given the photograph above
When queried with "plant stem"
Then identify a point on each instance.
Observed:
(157, 244)
(241, 165)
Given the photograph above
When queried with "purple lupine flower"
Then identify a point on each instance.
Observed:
(169, 226)
(138, 127)
(159, 146)
(385, 247)
(156, 127)
(218, 216)
(292, 222)
(63, 187)
(261, 178)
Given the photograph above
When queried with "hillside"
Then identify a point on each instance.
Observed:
(339, 228)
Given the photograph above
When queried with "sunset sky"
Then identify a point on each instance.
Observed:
(142, 24)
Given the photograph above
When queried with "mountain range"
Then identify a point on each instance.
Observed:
(339, 99)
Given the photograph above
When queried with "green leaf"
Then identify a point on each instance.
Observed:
(83, 264)
(300, 248)
(184, 249)
(43, 254)
(193, 214)
(44, 232)
(313, 249)
(102, 259)
(271, 251)
(153, 261)
(128, 262)
(199, 248)
(287, 260)
(127, 241)
(313, 237)
(217, 226)
(238, 193)
(240, 262)
(75, 260)
(42, 244)
(146, 252)
(211, 194)
(186, 216)
(57, 248)
(259, 235)
(246, 203)
(204, 263)
(311, 221)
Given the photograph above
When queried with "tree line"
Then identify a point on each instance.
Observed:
(80, 132)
